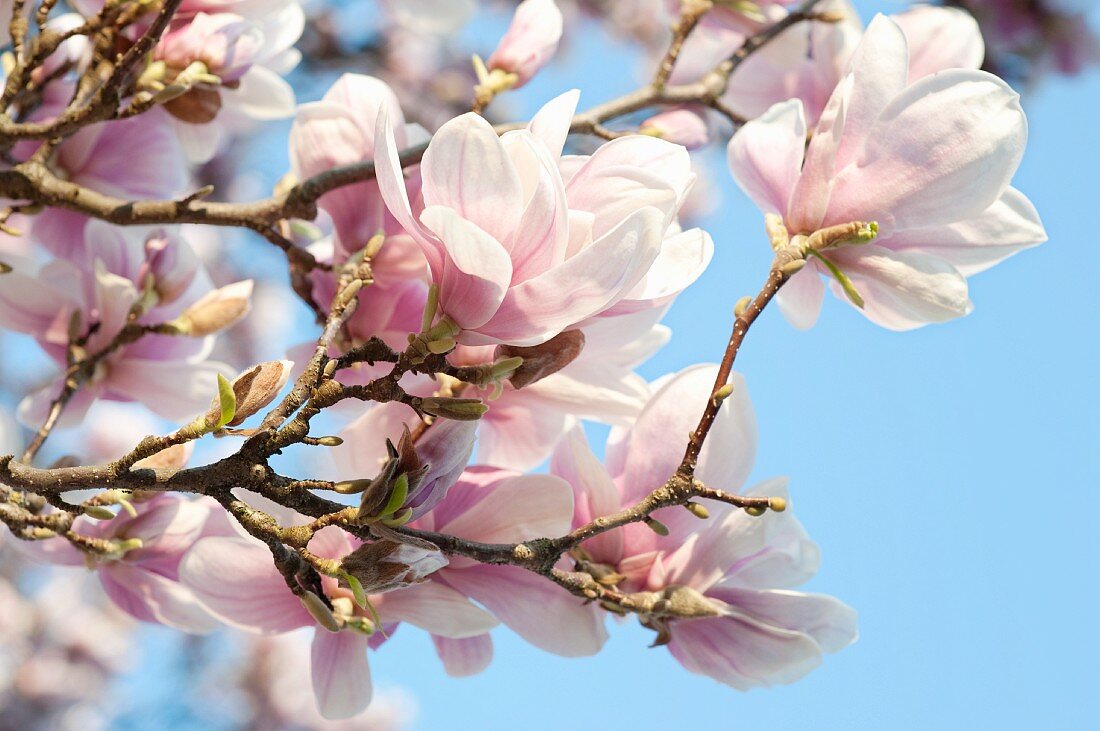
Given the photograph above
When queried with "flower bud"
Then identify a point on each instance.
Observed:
(682, 126)
(540, 361)
(656, 526)
(385, 565)
(697, 510)
(530, 41)
(458, 409)
(256, 388)
(217, 310)
(319, 611)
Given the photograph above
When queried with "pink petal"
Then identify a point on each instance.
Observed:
(236, 579)
(942, 151)
(462, 658)
(742, 652)
(340, 673)
(903, 290)
(939, 39)
(800, 298)
(513, 509)
(1007, 227)
(599, 275)
(765, 156)
(551, 123)
(141, 380)
(437, 608)
(519, 432)
(476, 268)
(467, 169)
(831, 622)
(594, 493)
(541, 612)
(154, 598)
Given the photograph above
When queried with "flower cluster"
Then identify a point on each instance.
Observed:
(484, 292)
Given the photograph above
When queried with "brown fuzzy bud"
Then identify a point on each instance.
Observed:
(540, 361)
(385, 565)
(216, 311)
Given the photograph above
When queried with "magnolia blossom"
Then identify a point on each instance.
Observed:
(237, 581)
(808, 60)
(530, 42)
(339, 130)
(132, 159)
(928, 161)
(523, 243)
(734, 576)
(141, 574)
(125, 276)
(498, 506)
(241, 61)
(643, 457)
(730, 573)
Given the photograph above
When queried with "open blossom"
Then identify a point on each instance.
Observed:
(530, 42)
(142, 575)
(498, 506)
(141, 276)
(237, 581)
(133, 159)
(232, 67)
(928, 161)
(747, 628)
(642, 457)
(523, 243)
(808, 60)
(729, 574)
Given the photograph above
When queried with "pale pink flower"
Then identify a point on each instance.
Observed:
(133, 159)
(143, 577)
(249, 55)
(530, 41)
(524, 243)
(732, 561)
(499, 506)
(736, 573)
(237, 581)
(808, 60)
(929, 161)
(643, 457)
(147, 273)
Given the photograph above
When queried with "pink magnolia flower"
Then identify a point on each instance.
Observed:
(929, 161)
(530, 42)
(145, 276)
(643, 457)
(143, 577)
(524, 244)
(248, 55)
(735, 568)
(237, 581)
(734, 576)
(808, 60)
(339, 130)
(498, 506)
(135, 158)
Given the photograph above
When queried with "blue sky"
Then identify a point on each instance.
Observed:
(950, 476)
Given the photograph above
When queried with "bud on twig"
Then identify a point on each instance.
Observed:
(458, 409)
(540, 361)
(254, 389)
(216, 311)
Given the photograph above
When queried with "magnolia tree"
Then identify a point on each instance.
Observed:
(480, 291)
